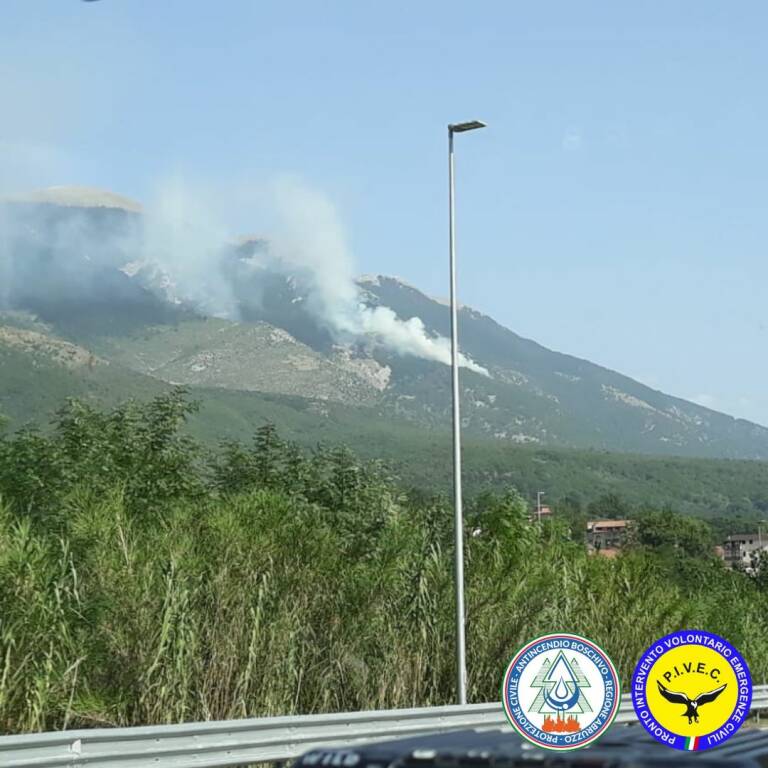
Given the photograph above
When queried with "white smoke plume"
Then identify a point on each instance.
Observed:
(311, 238)
(183, 240)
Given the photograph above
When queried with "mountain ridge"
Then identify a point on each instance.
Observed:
(284, 341)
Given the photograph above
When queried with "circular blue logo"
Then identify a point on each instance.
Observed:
(561, 692)
(691, 690)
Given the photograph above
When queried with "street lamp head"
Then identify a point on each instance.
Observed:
(472, 125)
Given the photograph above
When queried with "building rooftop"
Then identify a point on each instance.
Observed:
(592, 524)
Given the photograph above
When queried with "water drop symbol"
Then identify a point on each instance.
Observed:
(563, 691)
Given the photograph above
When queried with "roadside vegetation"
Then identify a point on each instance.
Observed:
(144, 579)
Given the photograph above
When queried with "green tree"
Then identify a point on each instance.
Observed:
(671, 533)
(760, 570)
(609, 507)
(138, 446)
(33, 472)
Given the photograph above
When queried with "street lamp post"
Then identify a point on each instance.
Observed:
(461, 651)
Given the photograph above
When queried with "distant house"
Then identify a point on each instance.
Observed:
(607, 537)
(545, 514)
(740, 549)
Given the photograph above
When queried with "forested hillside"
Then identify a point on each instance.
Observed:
(420, 459)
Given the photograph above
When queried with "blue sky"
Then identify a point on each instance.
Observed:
(613, 209)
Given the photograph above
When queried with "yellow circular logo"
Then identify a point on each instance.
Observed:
(691, 690)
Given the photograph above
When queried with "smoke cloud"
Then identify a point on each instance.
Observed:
(182, 250)
(178, 247)
(311, 238)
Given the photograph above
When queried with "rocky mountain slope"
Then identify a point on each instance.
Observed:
(538, 396)
(80, 285)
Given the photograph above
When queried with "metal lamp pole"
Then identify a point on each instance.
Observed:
(461, 650)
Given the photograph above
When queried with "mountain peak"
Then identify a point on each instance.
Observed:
(79, 197)
(378, 279)
(375, 281)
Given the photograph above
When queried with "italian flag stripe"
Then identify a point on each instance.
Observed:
(692, 743)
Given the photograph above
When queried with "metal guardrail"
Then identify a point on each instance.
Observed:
(241, 742)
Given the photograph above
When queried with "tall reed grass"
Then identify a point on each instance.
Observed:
(259, 604)
(141, 584)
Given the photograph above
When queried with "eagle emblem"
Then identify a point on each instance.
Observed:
(691, 705)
